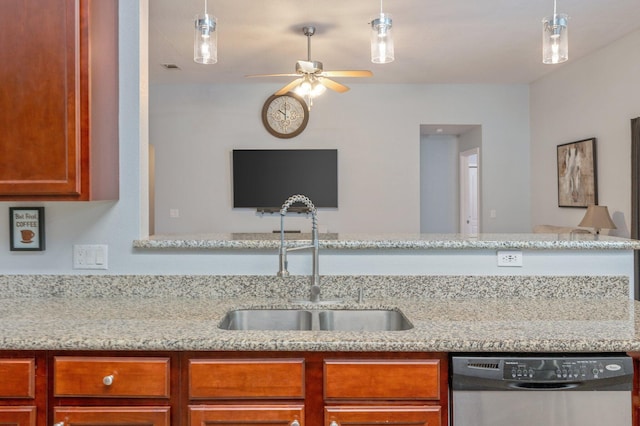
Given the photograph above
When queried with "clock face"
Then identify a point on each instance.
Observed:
(285, 116)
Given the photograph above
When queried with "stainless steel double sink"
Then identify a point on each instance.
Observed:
(316, 319)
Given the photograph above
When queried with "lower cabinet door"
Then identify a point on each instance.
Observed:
(105, 416)
(423, 415)
(18, 416)
(276, 414)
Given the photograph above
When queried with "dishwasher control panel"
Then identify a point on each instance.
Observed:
(536, 373)
(555, 369)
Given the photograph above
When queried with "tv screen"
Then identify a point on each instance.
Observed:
(265, 178)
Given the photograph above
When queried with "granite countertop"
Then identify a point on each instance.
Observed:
(554, 314)
(252, 241)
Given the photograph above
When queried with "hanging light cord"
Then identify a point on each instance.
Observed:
(381, 7)
(205, 7)
(554, 10)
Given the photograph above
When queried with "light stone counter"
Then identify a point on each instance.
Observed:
(449, 314)
(249, 241)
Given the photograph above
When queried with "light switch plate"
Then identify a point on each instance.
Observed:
(90, 256)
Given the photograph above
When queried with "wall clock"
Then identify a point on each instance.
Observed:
(285, 116)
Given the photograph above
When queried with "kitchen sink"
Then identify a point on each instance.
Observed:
(363, 320)
(312, 319)
(267, 319)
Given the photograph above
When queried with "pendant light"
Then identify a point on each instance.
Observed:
(555, 38)
(382, 39)
(205, 40)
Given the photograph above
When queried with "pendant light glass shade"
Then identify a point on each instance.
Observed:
(555, 38)
(205, 39)
(382, 40)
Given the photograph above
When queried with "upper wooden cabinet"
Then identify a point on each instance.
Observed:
(58, 100)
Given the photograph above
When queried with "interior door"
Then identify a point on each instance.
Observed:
(469, 191)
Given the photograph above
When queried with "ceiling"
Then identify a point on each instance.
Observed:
(436, 41)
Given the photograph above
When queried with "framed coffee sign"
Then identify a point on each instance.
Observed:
(26, 228)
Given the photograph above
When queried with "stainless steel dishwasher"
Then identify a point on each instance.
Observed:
(551, 390)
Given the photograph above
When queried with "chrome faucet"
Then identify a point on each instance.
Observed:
(283, 272)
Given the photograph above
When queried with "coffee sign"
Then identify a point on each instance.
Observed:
(27, 228)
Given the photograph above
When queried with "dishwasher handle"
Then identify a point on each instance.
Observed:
(545, 385)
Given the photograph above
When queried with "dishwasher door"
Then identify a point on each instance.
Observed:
(534, 391)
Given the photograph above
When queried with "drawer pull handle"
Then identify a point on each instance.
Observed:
(295, 423)
(107, 380)
(334, 423)
(59, 424)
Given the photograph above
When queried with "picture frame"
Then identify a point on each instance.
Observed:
(577, 174)
(26, 228)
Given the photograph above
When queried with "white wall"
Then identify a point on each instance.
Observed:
(595, 96)
(349, 123)
(376, 129)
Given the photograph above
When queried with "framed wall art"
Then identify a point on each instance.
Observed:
(26, 228)
(577, 183)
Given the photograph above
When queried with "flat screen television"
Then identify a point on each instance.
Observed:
(265, 178)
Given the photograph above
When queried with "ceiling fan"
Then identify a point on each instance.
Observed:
(312, 79)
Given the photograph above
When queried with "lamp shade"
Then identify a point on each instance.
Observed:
(382, 51)
(205, 40)
(555, 39)
(597, 217)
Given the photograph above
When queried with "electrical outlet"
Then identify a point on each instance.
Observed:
(510, 258)
(90, 256)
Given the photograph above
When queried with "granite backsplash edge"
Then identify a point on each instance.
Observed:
(333, 286)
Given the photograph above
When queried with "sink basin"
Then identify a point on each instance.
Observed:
(267, 319)
(363, 320)
(312, 319)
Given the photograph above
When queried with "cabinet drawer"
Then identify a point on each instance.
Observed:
(246, 378)
(382, 379)
(111, 377)
(17, 378)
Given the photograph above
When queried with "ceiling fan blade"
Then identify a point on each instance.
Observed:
(289, 86)
(271, 75)
(348, 73)
(333, 85)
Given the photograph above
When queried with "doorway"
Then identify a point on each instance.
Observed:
(448, 196)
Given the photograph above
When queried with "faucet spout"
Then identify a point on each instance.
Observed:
(314, 295)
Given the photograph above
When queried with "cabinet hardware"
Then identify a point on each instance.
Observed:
(108, 380)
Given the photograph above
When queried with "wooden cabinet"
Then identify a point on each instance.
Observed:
(316, 389)
(247, 414)
(111, 390)
(636, 388)
(391, 415)
(383, 390)
(18, 405)
(264, 391)
(223, 388)
(59, 103)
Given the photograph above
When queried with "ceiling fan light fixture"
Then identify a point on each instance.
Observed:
(205, 38)
(555, 38)
(382, 51)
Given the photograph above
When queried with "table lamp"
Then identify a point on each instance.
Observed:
(597, 217)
